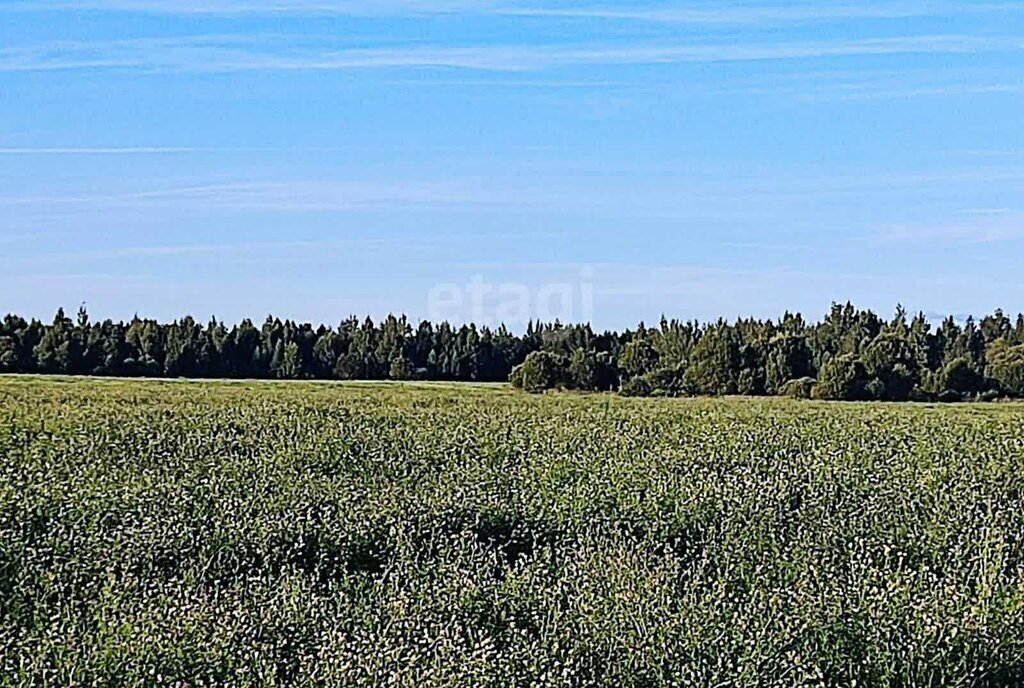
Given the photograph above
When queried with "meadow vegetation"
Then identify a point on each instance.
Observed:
(299, 534)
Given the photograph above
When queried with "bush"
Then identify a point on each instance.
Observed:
(789, 359)
(950, 396)
(1006, 368)
(664, 382)
(842, 379)
(890, 359)
(540, 371)
(900, 381)
(802, 388)
(400, 369)
(921, 395)
(516, 377)
(989, 395)
(607, 372)
(8, 355)
(959, 376)
(874, 390)
(713, 366)
(638, 358)
(636, 387)
(583, 370)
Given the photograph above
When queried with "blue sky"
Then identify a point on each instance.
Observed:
(319, 158)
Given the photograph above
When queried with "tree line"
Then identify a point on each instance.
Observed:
(851, 354)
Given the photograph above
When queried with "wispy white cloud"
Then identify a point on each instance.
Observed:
(267, 7)
(839, 91)
(235, 247)
(986, 211)
(693, 13)
(95, 151)
(850, 85)
(922, 92)
(292, 196)
(644, 292)
(259, 7)
(17, 238)
(238, 53)
(768, 14)
(988, 228)
(730, 200)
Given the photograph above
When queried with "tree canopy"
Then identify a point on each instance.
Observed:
(851, 354)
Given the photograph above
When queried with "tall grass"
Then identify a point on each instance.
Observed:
(162, 533)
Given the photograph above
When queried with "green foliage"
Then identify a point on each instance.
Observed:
(664, 382)
(960, 376)
(291, 364)
(750, 381)
(171, 533)
(637, 387)
(899, 360)
(400, 369)
(873, 389)
(802, 388)
(1007, 369)
(844, 378)
(583, 373)
(949, 396)
(712, 368)
(638, 358)
(8, 355)
(890, 359)
(788, 358)
(515, 378)
(540, 371)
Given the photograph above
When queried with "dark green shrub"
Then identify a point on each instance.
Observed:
(802, 388)
(713, 367)
(1006, 368)
(788, 359)
(636, 387)
(516, 377)
(892, 359)
(989, 395)
(960, 376)
(664, 382)
(540, 371)
(921, 395)
(950, 396)
(874, 390)
(842, 378)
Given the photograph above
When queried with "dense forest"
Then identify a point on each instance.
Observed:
(850, 355)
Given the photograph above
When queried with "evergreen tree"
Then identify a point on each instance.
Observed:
(852, 354)
(788, 358)
(713, 368)
(291, 362)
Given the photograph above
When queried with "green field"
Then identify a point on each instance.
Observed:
(190, 534)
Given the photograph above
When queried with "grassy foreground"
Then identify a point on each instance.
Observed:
(169, 533)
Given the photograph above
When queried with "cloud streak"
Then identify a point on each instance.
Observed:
(767, 14)
(1001, 227)
(96, 151)
(262, 7)
(226, 54)
(698, 14)
(292, 196)
(840, 86)
(167, 250)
